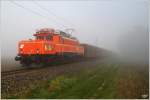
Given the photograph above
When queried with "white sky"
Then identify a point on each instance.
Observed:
(99, 20)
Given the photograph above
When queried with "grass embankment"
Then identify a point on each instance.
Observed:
(99, 82)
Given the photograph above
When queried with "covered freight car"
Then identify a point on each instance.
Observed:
(91, 51)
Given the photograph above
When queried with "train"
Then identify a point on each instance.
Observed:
(50, 44)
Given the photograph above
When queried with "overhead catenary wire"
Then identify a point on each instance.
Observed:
(46, 17)
(36, 13)
(51, 12)
(72, 25)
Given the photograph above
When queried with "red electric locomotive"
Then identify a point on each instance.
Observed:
(47, 45)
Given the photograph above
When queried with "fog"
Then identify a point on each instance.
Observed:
(117, 25)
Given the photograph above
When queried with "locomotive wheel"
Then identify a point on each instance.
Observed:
(26, 62)
(35, 65)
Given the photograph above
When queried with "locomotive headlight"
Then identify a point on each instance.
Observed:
(37, 50)
(21, 46)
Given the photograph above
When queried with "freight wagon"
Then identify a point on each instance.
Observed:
(91, 51)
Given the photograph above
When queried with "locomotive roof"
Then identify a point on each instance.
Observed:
(42, 34)
(49, 31)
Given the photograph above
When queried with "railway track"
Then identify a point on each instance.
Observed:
(36, 67)
(12, 72)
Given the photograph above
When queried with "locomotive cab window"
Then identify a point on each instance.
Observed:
(49, 37)
(39, 37)
(44, 37)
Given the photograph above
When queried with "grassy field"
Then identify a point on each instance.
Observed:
(93, 83)
(102, 81)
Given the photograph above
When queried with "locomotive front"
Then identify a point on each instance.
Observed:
(32, 50)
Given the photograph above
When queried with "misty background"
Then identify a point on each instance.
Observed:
(117, 25)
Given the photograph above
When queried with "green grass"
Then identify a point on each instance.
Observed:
(99, 82)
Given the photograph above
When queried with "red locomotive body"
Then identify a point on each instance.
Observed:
(48, 44)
